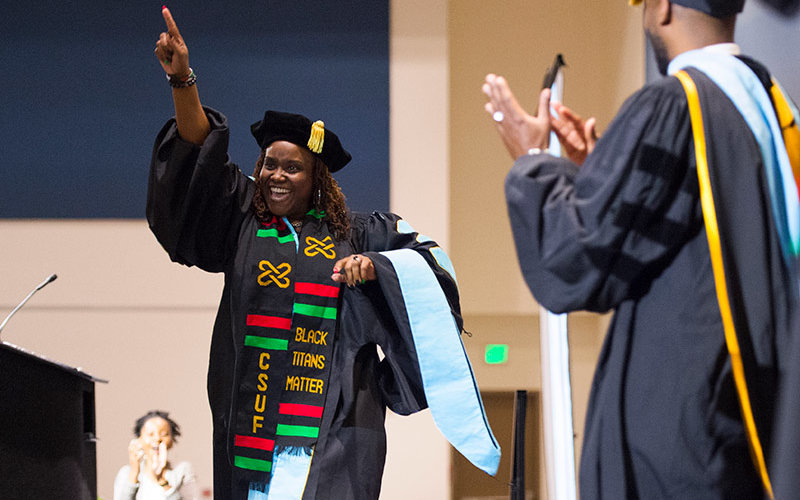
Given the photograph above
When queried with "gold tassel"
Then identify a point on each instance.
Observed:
(317, 137)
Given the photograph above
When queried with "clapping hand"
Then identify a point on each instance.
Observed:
(519, 130)
(522, 132)
(577, 137)
(158, 459)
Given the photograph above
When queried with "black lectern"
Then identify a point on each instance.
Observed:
(47, 428)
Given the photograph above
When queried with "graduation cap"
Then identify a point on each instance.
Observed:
(714, 8)
(299, 130)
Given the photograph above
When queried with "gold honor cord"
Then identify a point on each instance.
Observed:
(715, 248)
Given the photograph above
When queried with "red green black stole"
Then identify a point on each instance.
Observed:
(284, 363)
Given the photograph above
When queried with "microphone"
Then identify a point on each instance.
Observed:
(41, 285)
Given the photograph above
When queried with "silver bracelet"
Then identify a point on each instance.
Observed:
(538, 151)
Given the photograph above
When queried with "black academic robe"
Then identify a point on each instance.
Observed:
(199, 209)
(625, 232)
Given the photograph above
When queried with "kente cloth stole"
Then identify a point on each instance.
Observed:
(284, 362)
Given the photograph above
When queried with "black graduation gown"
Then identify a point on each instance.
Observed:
(625, 232)
(199, 209)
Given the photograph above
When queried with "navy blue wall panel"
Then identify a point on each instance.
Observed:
(82, 95)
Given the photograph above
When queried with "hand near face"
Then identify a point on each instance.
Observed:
(577, 137)
(135, 453)
(155, 439)
(155, 458)
(519, 131)
(159, 459)
(353, 270)
(171, 50)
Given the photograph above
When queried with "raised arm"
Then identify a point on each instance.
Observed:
(173, 55)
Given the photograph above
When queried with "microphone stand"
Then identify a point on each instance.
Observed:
(41, 285)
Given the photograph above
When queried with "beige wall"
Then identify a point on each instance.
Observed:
(603, 46)
(419, 192)
(123, 312)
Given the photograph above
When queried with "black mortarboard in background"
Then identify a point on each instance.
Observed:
(299, 130)
(715, 8)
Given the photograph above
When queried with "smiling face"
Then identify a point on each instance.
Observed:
(155, 431)
(286, 179)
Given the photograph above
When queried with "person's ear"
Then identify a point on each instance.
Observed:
(663, 14)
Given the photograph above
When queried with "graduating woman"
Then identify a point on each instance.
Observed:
(297, 389)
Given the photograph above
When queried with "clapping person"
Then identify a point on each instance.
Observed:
(150, 475)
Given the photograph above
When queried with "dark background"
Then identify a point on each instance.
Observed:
(82, 95)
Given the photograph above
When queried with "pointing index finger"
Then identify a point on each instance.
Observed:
(172, 28)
